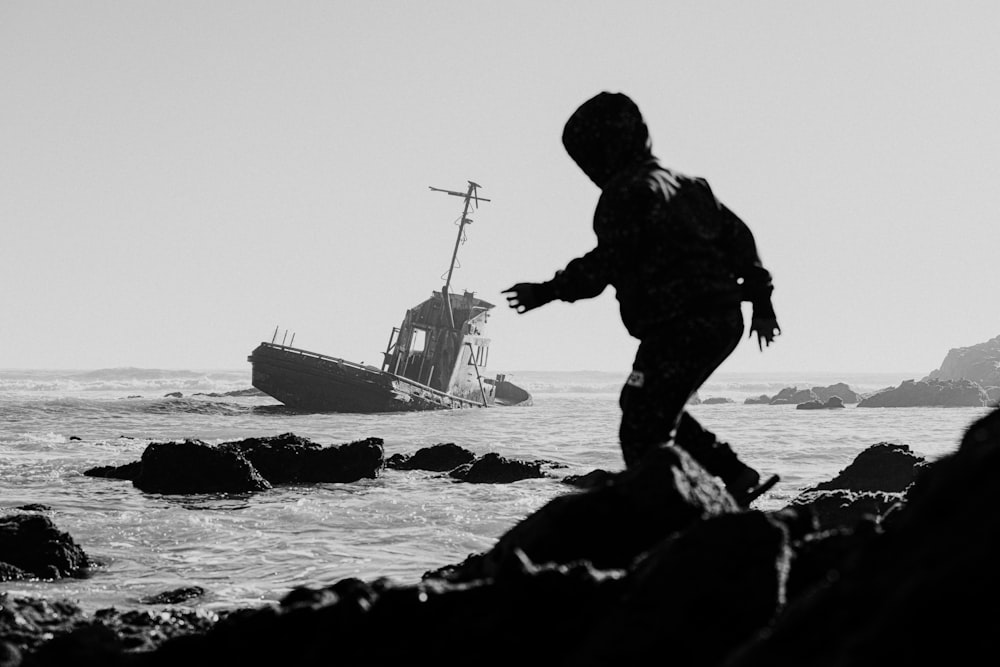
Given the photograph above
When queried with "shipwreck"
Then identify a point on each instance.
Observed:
(434, 360)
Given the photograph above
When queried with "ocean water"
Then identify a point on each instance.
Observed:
(250, 550)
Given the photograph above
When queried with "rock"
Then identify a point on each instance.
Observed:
(763, 399)
(793, 396)
(840, 390)
(436, 458)
(717, 400)
(492, 468)
(31, 544)
(913, 592)
(242, 466)
(291, 459)
(977, 363)
(832, 402)
(866, 490)
(58, 632)
(611, 525)
(74, 437)
(884, 466)
(174, 394)
(128, 471)
(590, 480)
(175, 596)
(193, 466)
(929, 393)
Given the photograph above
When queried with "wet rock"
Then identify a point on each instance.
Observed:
(763, 399)
(914, 592)
(436, 458)
(241, 466)
(717, 400)
(929, 393)
(31, 544)
(832, 402)
(58, 632)
(74, 437)
(840, 390)
(128, 471)
(492, 468)
(174, 394)
(590, 480)
(793, 396)
(884, 466)
(291, 459)
(977, 363)
(193, 466)
(175, 596)
(612, 524)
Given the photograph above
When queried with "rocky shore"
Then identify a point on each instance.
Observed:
(887, 563)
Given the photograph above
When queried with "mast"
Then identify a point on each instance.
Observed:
(469, 195)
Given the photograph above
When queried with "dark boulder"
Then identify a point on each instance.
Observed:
(915, 592)
(436, 458)
(492, 468)
(30, 544)
(128, 471)
(763, 399)
(840, 389)
(242, 466)
(929, 393)
(58, 632)
(884, 466)
(611, 525)
(174, 596)
(193, 466)
(717, 400)
(832, 402)
(291, 459)
(793, 396)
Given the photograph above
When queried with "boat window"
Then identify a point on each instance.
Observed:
(418, 341)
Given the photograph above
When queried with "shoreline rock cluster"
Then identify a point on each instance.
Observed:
(258, 464)
(887, 563)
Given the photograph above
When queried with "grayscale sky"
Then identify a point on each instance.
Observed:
(179, 178)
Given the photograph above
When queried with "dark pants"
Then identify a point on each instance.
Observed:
(668, 369)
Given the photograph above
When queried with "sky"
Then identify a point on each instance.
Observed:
(180, 179)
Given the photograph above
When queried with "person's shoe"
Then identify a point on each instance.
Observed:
(747, 487)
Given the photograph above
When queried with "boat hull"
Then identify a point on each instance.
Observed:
(317, 383)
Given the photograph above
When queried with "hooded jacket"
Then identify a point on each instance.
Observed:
(666, 244)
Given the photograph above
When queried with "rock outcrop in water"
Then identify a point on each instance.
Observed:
(31, 547)
(832, 402)
(796, 396)
(928, 393)
(244, 466)
(659, 561)
(976, 363)
(462, 465)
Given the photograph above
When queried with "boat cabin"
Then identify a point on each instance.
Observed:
(441, 343)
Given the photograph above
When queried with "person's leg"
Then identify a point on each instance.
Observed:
(668, 369)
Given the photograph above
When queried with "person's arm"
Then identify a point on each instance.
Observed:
(587, 276)
(755, 280)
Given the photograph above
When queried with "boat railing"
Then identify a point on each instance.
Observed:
(372, 369)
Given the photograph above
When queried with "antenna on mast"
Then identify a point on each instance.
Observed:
(469, 195)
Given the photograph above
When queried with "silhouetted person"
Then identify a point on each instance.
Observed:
(681, 264)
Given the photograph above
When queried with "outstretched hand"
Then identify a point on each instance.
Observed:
(523, 297)
(766, 329)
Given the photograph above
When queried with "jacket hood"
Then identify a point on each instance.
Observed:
(605, 135)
